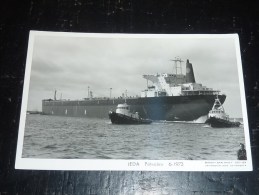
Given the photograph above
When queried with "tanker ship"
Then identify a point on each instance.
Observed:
(170, 96)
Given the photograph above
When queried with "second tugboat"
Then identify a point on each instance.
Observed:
(218, 118)
(123, 115)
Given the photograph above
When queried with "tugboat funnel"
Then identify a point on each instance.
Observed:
(189, 73)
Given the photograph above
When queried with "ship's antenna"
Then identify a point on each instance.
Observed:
(88, 92)
(126, 96)
(177, 64)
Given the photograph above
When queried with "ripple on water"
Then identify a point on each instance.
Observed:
(68, 137)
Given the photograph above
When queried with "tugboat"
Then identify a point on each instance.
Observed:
(218, 118)
(123, 115)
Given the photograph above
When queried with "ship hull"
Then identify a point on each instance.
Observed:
(170, 108)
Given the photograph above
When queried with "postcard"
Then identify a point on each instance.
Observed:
(149, 102)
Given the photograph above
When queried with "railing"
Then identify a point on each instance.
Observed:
(200, 92)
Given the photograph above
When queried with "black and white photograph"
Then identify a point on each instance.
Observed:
(133, 102)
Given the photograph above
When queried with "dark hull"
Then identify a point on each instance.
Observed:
(221, 123)
(122, 119)
(176, 108)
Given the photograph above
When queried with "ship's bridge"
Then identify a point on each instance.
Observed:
(153, 78)
(163, 84)
(175, 79)
(168, 78)
(175, 84)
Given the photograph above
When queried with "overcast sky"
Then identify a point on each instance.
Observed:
(70, 64)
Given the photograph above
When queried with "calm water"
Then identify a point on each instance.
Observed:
(69, 137)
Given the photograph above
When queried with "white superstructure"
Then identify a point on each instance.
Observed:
(218, 111)
(124, 109)
(175, 84)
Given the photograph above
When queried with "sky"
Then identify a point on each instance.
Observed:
(71, 64)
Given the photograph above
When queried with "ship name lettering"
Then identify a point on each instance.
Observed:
(133, 164)
(154, 164)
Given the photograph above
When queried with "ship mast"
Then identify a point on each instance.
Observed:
(125, 95)
(55, 95)
(177, 64)
(110, 93)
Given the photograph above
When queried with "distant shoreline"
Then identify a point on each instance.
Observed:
(34, 112)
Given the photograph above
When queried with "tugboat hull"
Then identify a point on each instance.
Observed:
(117, 118)
(221, 123)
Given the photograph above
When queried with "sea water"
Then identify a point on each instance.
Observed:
(54, 137)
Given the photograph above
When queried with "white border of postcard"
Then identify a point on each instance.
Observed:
(130, 165)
